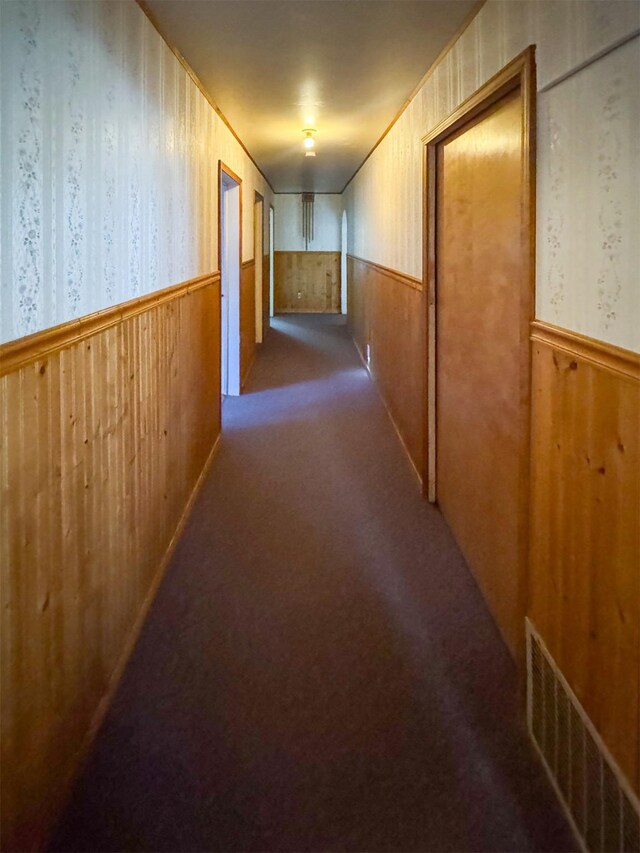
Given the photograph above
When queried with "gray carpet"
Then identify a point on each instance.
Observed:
(318, 671)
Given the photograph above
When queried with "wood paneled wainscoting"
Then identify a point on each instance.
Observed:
(386, 320)
(266, 295)
(247, 318)
(584, 596)
(108, 426)
(307, 282)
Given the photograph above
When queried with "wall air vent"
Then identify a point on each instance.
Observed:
(600, 805)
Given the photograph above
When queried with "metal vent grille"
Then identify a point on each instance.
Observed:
(600, 805)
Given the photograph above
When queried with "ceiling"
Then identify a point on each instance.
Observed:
(274, 66)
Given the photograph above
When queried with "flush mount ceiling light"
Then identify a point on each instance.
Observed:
(308, 141)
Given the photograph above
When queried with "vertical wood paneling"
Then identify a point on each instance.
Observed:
(307, 282)
(386, 313)
(585, 542)
(103, 443)
(266, 283)
(358, 300)
(247, 318)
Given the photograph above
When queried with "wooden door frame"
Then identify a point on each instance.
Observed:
(223, 169)
(272, 269)
(258, 197)
(518, 75)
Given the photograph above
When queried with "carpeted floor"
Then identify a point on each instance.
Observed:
(318, 671)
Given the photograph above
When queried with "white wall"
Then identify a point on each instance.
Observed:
(109, 163)
(588, 267)
(327, 223)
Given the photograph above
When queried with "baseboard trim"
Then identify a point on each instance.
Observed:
(114, 680)
(388, 411)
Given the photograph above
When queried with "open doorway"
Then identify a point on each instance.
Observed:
(343, 264)
(271, 250)
(258, 239)
(229, 255)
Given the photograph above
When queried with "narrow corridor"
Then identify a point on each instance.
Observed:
(318, 670)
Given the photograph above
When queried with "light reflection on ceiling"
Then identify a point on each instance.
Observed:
(344, 67)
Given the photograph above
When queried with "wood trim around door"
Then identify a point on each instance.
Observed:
(272, 254)
(257, 199)
(518, 75)
(224, 169)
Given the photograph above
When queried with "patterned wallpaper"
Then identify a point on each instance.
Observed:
(589, 199)
(588, 276)
(327, 223)
(109, 158)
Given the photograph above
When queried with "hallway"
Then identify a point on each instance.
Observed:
(318, 670)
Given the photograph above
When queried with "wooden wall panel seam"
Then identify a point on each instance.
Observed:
(19, 353)
(605, 356)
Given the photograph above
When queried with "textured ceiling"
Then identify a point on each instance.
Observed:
(272, 65)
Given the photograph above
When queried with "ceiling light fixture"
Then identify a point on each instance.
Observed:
(309, 153)
(308, 141)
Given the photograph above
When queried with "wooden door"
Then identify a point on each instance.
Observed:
(483, 309)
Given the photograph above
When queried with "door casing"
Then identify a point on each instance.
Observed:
(258, 239)
(517, 75)
(228, 181)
